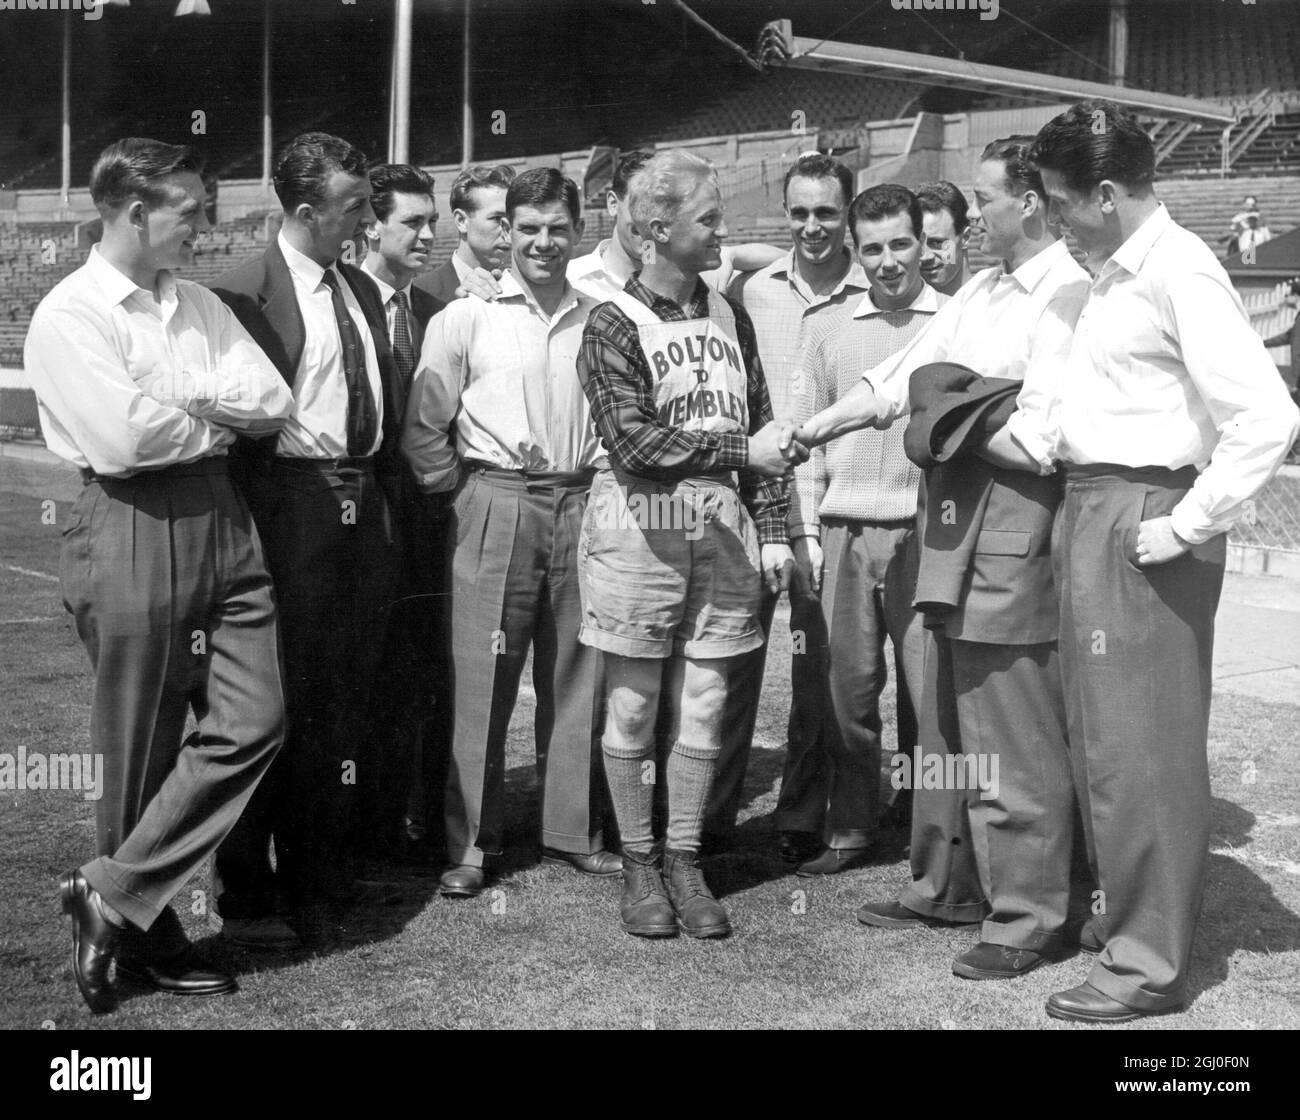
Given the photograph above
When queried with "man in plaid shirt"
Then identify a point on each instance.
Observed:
(674, 545)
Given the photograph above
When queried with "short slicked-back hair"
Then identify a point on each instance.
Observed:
(629, 163)
(668, 179)
(1021, 173)
(540, 185)
(1092, 141)
(478, 175)
(388, 179)
(134, 168)
(306, 163)
(814, 165)
(943, 195)
(875, 204)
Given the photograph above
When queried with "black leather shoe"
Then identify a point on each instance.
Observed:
(698, 912)
(94, 940)
(996, 962)
(644, 908)
(184, 974)
(834, 860)
(795, 847)
(1085, 1004)
(602, 863)
(894, 915)
(461, 881)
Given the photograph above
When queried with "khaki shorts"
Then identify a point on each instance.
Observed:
(668, 568)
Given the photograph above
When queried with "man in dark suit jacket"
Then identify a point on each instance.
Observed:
(323, 517)
(478, 207)
(410, 706)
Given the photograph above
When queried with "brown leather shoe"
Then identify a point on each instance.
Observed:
(698, 912)
(644, 908)
(996, 962)
(1085, 1004)
(603, 863)
(95, 938)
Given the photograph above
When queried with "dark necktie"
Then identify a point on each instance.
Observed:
(361, 424)
(403, 347)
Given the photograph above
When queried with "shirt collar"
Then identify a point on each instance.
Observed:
(118, 287)
(511, 289)
(1141, 241)
(113, 283)
(784, 268)
(386, 290)
(697, 307)
(928, 300)
(462, 269)
(1030, 274)
(614, 261)
(301, 265)
(582, 267)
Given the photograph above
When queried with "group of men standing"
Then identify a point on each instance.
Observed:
(370, 499)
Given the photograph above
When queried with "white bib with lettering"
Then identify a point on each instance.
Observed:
(699, 375)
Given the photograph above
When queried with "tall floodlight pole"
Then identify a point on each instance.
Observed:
(1118, 42)
(65, 139)
(265, 99)
(467, 114)
(401, 99)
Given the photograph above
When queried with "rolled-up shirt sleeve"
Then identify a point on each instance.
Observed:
(1246, 400)
(435, 400)
(95, 406)
(810, 478)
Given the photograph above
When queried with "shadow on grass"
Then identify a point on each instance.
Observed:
(1241, 913)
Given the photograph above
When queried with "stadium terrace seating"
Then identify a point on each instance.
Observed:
(765, 103)
(1206, 206)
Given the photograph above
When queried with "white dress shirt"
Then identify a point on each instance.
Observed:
(1016, 325)
(603, 272)
(1166, 371)
(127, 382)
(318, 427)
(504, 373)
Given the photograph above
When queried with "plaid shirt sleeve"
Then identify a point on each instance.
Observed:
(765, 498)
(617, 382)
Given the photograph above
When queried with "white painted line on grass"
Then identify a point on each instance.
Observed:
(27, 621)
(28, 572)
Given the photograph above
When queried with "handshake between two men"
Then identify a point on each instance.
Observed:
(774, 453)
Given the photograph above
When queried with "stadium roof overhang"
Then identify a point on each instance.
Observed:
(906, 66)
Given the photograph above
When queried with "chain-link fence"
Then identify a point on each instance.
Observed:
(1272, 519)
